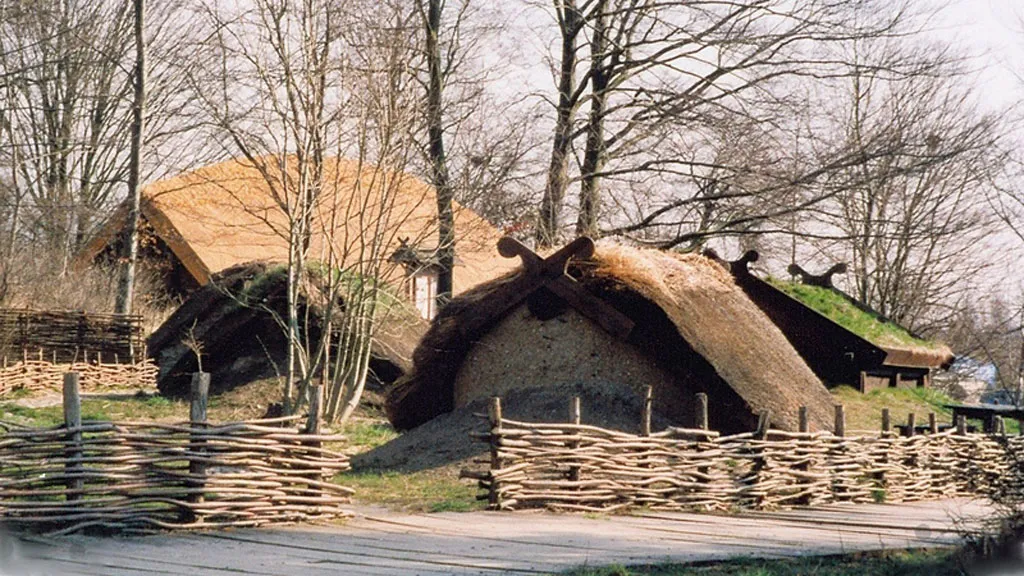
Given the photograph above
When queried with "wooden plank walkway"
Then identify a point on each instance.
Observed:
(384, 543)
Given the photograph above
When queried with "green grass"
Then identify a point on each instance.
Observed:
(141, 406)
(933, 562)
(428, 491)
(864, 411)
(840, 310)
(363, 435)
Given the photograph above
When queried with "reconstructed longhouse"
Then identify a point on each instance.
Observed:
(612, 318)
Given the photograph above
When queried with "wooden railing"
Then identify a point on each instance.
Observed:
(570, 466)
(144, 476)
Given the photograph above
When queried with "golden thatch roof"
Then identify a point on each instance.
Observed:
(678, 302)
(227, 214)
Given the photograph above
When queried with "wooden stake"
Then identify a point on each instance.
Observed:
(200, 391)
(73, 421)
(961, 425)
(316, 407)
(764, 422)
(645, 420)
(701, 415)
(933, 424)
(911, 424)
(805, 425)
(886, 421)
(840, 420)
(575, 417)
(1000, 426)
(494, 416)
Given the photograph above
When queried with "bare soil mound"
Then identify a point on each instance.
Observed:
(445, 440)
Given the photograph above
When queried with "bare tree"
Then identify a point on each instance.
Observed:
(911, 222)
(317, 97)
(126, 286)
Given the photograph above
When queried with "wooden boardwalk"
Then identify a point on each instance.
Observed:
(392, 544)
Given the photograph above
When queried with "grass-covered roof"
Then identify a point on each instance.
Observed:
(839, 308)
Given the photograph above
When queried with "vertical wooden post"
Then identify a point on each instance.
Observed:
(314, 422)
(200, 391)
(645, 420)
(73, 421)
(701, 415)
(840, 420)
(911, 424)
(886, 421)
(805, 425)
(961, 424)
(494, 416)
(933, 424)
(575, 417)
(316, 410)
(1020, 426)
(1000, 426)
(764, 421)
(990, 424)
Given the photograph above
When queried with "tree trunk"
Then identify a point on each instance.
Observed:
(557, 178)
(594, 155)
(438, 161)
(126, 286)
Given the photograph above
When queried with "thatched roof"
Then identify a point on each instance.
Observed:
(676, 301)
(225, 214)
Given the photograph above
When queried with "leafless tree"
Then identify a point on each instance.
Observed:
(302, 84)
(66, 111)
(670, 83)
(911, 222)
(126, 285)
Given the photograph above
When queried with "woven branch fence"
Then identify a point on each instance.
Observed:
(142, 476)
(39, 373)
(572, 466)
(64, 335)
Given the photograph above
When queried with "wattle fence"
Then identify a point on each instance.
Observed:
(572, 466)
(145, 476)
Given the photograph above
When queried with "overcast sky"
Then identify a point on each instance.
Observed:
(992, 30)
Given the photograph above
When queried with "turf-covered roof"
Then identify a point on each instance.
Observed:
(842, 310)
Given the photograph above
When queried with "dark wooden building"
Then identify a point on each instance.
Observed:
(835, 353)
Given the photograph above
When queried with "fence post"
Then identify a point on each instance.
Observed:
(961, 425)
(805, 425)
(494, 416)
(764, 421)
(314, 422)
(645, 419)
(840, 420)
(73, 421)
(933, 424)
(575, 417)
(911, 424)
(200, 391)
(886, 421)
(1000, 426)
(701, 415)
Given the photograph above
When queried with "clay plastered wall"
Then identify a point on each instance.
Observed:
(522, 351)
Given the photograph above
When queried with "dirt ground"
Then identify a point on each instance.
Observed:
(445, 441)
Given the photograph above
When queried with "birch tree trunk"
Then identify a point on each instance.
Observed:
(126, 286)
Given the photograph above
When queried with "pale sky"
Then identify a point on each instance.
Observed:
(992, 30)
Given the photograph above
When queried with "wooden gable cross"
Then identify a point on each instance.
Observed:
(539, 272)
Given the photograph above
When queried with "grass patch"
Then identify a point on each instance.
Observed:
(842, 311)
(427, 491)
(364, 434)
(141, 406)
(931, 562)
(864, 411)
